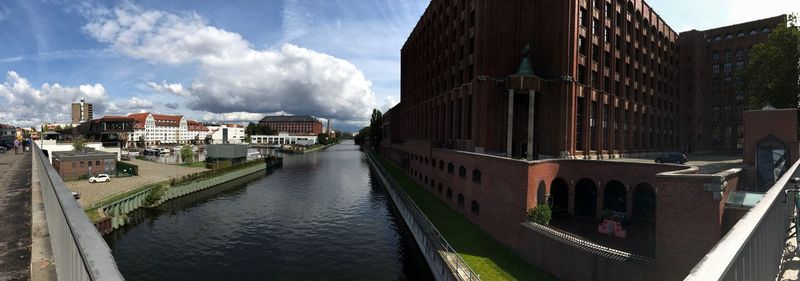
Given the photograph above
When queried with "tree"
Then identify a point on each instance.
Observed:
(361, 137)
(376, 128)
(772, 76)
(323, 139)
(78, 144)
(258, 129)
(186, 154)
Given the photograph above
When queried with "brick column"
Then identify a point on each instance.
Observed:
(531, 107)
(510, 127)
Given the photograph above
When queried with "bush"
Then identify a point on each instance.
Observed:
(540, 214)
(154, 195)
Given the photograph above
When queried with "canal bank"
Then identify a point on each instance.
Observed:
(490, 259)
(110, 215)
(443, 260)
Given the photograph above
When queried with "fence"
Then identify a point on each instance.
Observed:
(441, 256)
(79, 251)
(752, 249)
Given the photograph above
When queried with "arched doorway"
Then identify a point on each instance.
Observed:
(541, 194)
(586, 198)
(644, 203)
(559, 195)
(615, 198)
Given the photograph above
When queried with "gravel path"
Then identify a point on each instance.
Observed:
(15, 216)
(149, 172)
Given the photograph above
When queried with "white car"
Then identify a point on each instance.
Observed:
(100, 178)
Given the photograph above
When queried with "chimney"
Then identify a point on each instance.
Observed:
(328, 130)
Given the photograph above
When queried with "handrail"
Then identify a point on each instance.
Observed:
(752, 249)
(79, 251)
(457, 265)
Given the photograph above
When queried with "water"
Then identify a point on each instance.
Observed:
(320, 217)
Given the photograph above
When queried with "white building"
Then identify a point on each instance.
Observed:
(281, 139)
(233, 133)
(158, 129)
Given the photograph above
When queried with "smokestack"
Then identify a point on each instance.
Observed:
(328, 131)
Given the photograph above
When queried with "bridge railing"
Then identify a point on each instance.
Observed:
(752, 249)
(436, 245)
(79, 251)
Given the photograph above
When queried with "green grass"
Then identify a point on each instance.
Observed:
(113, 198)
(481, 252)
(196, 164)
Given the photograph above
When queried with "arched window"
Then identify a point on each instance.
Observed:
(441, 165)
(450, 168)
(541, 193)
(440, 188)
(449, 193)
(462, 172)
(433, 162)
(476, 176)
(475, 207)
(461, 200)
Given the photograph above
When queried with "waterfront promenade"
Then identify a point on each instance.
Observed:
(149, 173)
(15, 216)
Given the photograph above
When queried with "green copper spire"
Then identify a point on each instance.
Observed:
(525, 66)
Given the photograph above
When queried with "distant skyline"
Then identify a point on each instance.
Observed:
(235, 61)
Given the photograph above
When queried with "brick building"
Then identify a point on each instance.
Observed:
(710, 61)
(490, 87)
(293, 125)
(71, 165)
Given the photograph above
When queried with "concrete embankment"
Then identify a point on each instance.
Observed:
(444, 262)
(114, 214)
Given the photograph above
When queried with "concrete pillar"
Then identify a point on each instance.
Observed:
(510, 128)
(531, 107)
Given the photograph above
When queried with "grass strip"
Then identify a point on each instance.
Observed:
(487, 257)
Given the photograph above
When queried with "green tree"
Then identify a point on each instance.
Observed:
(186, 154)
(376, 128)
(323, 139)
(772, 76)
(78, 144)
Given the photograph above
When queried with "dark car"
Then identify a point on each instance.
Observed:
(672, 158)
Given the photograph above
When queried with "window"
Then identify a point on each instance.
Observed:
(81, 164)
(582, 17)
(475, 207)
(476, 176)
(97, 163)
(582, 45)
(441, 165)
(89, 163)
(462, 172)
(715, 69)
(450, 168)
(765, 30)
(460, 200)
(449, 193)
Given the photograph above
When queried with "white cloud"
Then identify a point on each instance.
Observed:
(164, 87)
(233, 117)
(135, 103)
(234, 77)
(25, 105)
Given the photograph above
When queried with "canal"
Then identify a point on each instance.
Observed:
(323, 216)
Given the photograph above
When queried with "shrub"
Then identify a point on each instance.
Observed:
(540, 214)
(154, 195)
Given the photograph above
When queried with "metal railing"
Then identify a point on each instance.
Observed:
(79, 251)
(436, 246)
(752, 249)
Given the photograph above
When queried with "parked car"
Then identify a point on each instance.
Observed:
(672, 158)
(100, 178)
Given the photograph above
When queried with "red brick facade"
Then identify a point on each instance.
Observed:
(495, 193)
(294, 125)
(710, 61)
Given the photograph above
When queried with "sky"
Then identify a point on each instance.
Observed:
(236, 60)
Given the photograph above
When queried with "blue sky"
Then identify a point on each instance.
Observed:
(235, 60)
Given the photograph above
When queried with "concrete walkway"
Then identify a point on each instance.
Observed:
(15, 216)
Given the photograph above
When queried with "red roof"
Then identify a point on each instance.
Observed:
(140, 119)
(195, 126)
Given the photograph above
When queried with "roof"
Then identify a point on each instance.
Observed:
(89, 154)
(162, 120)
(140, 118)
(114, 118)
(195, 126)
(285, 118)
